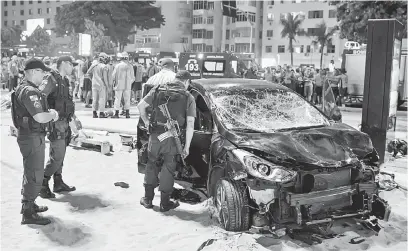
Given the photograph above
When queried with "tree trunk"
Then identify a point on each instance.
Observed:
(321, 57)
(291, 51)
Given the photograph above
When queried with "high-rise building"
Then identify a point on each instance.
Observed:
(275, 49)
(29, 14)
(174, 36)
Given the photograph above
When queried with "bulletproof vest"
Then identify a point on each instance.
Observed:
(176, 98)
(62, 100)
(22, 119)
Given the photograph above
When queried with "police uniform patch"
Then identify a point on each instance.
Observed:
(34, 98)
(37, 104)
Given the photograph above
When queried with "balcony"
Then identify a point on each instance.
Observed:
(148, 45)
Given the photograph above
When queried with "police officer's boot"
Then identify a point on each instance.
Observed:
(165, 203)
(37, 208)
(116, 116)
(30, 215)
(102, 115)
(147, 200)
(95, 114)
(60, 186)
(127, 114)
(45, 192)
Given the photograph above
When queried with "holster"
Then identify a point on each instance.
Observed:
(55, 135)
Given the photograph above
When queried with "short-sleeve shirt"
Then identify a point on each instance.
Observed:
(191, 105)
(163, 77)
(30, 98)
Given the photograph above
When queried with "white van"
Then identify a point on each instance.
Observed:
(350, 45)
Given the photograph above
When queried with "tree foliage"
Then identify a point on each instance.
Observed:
(11, 35)
(119, 18)
(323, 37)
(353, 16)
(39, 40)
(291, 29)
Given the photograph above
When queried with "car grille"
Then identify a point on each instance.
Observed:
(325, 180)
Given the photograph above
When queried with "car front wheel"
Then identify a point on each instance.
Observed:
(231, 201)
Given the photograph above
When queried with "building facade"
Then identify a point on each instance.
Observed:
(29, 14)
(275, 49)
(174, 36)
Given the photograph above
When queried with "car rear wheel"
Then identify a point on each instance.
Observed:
(231, 201)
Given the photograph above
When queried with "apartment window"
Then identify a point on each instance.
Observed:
(209, 35)
(48, 10)
(48, 20)
(198, 33)
(228, 20)
(282, 1)
(58, 9)
(308, 49)
(22, 22)
(5, 4)
(13, 3)
(268, 49)
(302, 48)
(5, 23)
(197, 19)
(293, 1)
(227, 47)
(21, 12)
(5, 13)
(331, 48)
(184, 40)
(312, 31)
(14, 12)
(210, 20)
(199, 5)
(210, 6)
(232, 48)
(208, 48)
(14, 22)
(315, 14)
(260, 35)
(332, 13)
(48, 1)
(271, 2)
(30, 2)
(39, 11)
(233, 19)
(269, 33)
(21, 2)
(281, 49)
(242, 17)
(198, 47)
(30, 11)
(270, 17)
(39, 1)
(227, 34)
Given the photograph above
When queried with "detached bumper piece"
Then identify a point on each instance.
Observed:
(360, 198)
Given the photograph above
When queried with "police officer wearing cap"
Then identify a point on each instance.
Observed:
(162, 155)
(56, 87)
(30, 117)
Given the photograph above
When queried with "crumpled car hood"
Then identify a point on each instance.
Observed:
(331, 146)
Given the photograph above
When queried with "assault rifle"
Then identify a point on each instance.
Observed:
(173, 130)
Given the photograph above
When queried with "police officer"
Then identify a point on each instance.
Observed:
(30, 115)
(56, 87)
(162, 155)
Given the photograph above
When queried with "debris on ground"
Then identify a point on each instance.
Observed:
(386, 181)
(121, 184)
(397, 146)
(357, 240)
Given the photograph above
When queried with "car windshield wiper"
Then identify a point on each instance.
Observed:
(244, 129)
(300, 128)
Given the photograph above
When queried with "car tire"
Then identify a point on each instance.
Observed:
(232, 203)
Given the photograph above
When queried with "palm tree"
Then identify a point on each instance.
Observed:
(323, 37)
(291, 29)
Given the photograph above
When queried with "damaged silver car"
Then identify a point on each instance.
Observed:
(270, 158)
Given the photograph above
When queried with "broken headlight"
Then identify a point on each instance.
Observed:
(263, 169)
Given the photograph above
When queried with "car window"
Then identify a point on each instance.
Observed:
(203, 121)
(264, 109)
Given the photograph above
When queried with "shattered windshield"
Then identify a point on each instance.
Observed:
(264, 109)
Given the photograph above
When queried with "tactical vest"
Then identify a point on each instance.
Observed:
(176, 98)
(22, 119)
(62, 102)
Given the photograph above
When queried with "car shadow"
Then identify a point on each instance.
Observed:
(82, 202)
(64, 234)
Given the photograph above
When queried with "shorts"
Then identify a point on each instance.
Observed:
(87, 84)
(319, 90)
(136, 86)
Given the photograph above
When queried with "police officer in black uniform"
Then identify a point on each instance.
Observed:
(56, 87)
(30, 117)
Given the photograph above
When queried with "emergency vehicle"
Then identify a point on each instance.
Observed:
(142, 57)
(211, 65)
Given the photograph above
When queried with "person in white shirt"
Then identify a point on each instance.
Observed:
(164, 76)
(123, 77)
(332, 66)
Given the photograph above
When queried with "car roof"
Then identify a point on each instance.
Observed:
(215, 83)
